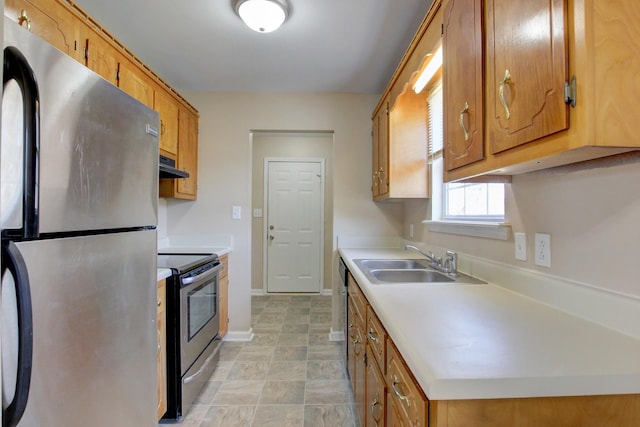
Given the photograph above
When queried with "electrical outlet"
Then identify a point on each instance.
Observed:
(543, 250)
(521, 246)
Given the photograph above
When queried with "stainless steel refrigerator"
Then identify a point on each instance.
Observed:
(79, 175)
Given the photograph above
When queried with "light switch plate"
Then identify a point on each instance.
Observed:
(543, 250)
(521, 246)
(237, 212)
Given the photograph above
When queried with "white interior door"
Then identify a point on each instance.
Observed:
(294, 225)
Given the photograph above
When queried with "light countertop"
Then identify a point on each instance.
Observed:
(218, 250)
(484, 341)
(163, 273)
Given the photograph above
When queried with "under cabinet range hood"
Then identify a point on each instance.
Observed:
(168, 169)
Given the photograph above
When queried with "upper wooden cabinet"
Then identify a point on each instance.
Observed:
(380, 175)
(56, 25)
(67, 27)
(101, 57)
(526, 65)
(136, 83)
(184, 188)
(532, 53)
(399, 122)
(462, 83)
(168, 110)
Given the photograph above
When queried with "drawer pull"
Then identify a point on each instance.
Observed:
(373, 337)
(355, 346)
(505, 81)
(376, 403)
(461, 121)
(24, 18)
(399, 395)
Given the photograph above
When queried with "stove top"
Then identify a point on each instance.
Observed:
(184, 262)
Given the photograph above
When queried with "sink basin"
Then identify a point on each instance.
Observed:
(389, 271)
(410, 276)
(395, 264)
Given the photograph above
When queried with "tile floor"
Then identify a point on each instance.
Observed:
(289, 375)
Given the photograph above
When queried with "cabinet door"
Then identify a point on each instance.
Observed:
(405, 393)
(375, 395)
(135, 83)
(167, 107)
(526, 68)
(50, 21)
(188, 153)
(351, 343)
(162, 349)
(101, 57)
(375, 134)
(380, 173)
(223, 296)
(359, 382)
(462, 83)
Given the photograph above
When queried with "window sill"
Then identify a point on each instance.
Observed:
(487, 230)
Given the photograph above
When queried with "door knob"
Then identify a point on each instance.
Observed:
(271, 227)
(271, 237)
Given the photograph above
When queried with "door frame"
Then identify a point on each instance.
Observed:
(265, 225)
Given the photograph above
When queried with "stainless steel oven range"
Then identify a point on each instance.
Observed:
(193, 322)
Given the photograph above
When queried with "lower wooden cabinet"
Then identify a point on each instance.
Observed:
(375, 395)
(404, 392)
(223, 296)
(387, 394)
(161, 324)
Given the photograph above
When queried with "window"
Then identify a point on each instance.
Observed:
(471, 202)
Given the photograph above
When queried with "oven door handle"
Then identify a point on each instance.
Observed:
(202, 369)
(211, 272)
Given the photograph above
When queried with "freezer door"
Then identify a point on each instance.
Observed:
(98, 155)
(94, 331)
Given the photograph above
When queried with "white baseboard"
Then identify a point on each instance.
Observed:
(239, 336)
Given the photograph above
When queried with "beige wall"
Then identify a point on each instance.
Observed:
(592, 214)
(225, 173)
(290, 145)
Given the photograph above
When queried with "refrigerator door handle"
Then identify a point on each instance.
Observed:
(18, 69)
(13, 262)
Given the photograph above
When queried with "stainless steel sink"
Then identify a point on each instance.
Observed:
(410, 276)
(389, 271)
(395, 264)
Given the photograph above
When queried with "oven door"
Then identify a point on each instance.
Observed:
(199, 318)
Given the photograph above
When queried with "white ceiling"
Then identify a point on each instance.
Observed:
(324, 46)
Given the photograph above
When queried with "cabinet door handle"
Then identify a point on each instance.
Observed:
(372, 336)
(375, 403)
(24, 18)
(355, 346)
(505, 81)
(396, 392)
(464, 111)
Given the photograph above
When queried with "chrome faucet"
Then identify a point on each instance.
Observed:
(433, 261)
(450, 265)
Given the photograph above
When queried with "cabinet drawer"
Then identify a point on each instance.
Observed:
(404, 393)
(377, 338)
(357, 298)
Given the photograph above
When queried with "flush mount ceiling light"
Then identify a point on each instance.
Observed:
(262, 16)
